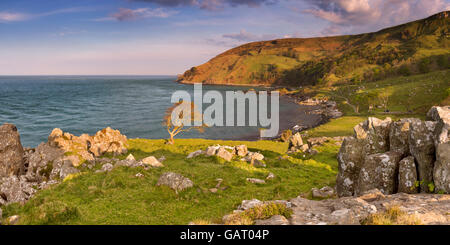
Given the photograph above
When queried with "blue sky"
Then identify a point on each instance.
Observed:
(156, 37)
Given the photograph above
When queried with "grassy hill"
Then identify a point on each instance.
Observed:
(413, 48)
(119, 197)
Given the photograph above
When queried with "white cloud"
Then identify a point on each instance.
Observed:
(352, 16)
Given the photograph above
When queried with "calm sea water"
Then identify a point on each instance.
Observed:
(85, 104)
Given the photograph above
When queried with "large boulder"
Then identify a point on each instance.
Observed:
(441, 172)
(11, 151)
(398, 135)
(350, 159)
(441, 115)
(407, 176)
(421, 146)
(376, 134)
(88, 147)
(108, 140)
(379, 171)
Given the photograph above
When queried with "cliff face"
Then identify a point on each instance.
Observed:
(415, 47)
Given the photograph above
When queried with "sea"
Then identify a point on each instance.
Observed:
(135, 105)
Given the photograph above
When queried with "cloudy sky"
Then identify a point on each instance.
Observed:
(166, 37)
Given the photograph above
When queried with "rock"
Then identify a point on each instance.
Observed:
(258, 164)
(130, 158)
(211, 150)
(107, 167)
(248, 204)
(139, 175)
(407, 176)
(379, 171)
(225, 154)
(324, 192)
(350, 159)
(213, 190)
(398, 136)
(254, 156)
(372, 195)
(270, 176)
(87, 147)
(41, 162)
(162, 159)
(441, 173)
(295, 140)
(11, 151)
(13, 220)
(256, 181)
(16, 189)
(286, 135)
(241, 150)
(304, 148)
(441, 115)
(421, 146)
(108, 140)
(274, 220)
(175, 181)
(195, 153)
(317, 141)
(152, 161)
(375, 133)
(65, 169)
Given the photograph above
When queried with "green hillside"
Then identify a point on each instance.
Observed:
(413, 48)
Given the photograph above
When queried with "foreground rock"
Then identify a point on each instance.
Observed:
(175, 181)
(228, 153)
(11, 151)
(427, 209)
(397, 156)
(23, 172)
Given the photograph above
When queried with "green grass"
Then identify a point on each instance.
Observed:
(118, 197)
(336, 127)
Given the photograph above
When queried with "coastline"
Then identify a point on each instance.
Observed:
(302, 117)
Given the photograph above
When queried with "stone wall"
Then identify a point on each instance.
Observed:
(408, 155)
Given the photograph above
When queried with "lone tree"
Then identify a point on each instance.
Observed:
(180, 117)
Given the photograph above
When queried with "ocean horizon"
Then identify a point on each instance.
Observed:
(79, 104)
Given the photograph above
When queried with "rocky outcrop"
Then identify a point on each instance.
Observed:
(88, 147)
(379, 171)
(441, 171)
(350, 159)
(26, 171)
(421, 146)
(11, 151)
(407, 176)
(397, 156)
(427, 209)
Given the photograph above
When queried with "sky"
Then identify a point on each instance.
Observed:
(167, 37)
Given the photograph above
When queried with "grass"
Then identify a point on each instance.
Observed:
(118, 197)
(392, 216)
